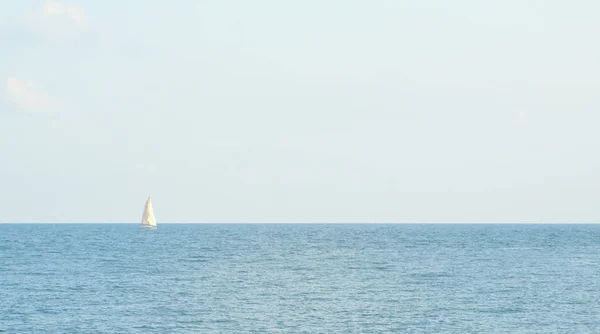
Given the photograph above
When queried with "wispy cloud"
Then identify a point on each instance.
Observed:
(24, 95)
(56, 9)
(56, 19)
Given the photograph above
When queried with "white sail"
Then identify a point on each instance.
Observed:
(148, 219)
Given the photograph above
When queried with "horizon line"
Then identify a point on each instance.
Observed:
(319, 223)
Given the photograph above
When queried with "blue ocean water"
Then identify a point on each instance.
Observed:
(278, 278)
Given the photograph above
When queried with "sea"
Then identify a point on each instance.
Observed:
(300, 278)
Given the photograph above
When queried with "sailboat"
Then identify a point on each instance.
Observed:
(148, 221)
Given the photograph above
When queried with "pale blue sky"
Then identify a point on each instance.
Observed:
(300, 111)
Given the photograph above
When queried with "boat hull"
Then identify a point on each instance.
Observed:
(148, 227)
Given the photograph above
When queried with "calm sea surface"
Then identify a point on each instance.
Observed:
(258, 278)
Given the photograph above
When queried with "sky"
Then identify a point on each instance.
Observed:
(300, 111)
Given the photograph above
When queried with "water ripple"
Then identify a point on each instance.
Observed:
(299, 278)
